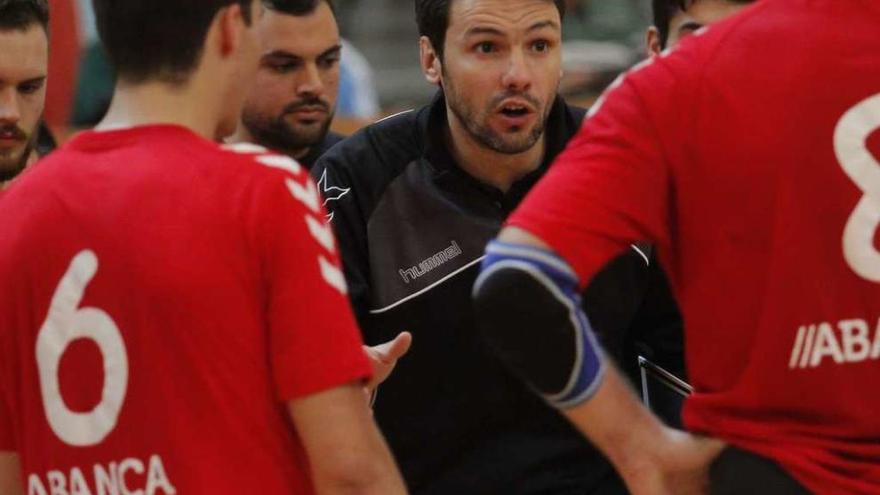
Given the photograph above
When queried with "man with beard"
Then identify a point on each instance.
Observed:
(291, 104)
(24, 42)
(415, 198)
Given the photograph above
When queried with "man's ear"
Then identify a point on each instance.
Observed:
(431, 65)
(230, 22)
(653, 47)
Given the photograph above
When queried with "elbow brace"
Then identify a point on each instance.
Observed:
(528, 307)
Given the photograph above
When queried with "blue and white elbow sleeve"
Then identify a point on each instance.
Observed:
(528, 307)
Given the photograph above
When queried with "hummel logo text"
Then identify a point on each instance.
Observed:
(439, 259)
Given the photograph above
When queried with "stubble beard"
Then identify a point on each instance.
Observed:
(477, 126)
(279, 135)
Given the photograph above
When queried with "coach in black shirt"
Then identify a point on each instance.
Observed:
(415, 198)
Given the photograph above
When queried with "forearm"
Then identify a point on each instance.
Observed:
(10, 474)
(617, 423)
(371, 472)
(346, 451)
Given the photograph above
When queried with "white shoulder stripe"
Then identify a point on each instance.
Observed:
(245, 148)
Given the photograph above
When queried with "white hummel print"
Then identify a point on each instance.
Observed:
(331, 193)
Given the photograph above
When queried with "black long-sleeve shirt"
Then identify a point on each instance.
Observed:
(412, 227)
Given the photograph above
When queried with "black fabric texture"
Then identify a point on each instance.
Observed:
(509, 305)
(45, 141)
(412, 228)
(315, 152)
(736, 472)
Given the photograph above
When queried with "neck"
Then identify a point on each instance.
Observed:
(500, 170)
(161, 103)
(243, 135)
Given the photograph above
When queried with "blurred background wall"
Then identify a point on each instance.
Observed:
(601, 38)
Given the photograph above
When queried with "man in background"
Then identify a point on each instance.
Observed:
(24, 65)
(291, 104)
(292, 101)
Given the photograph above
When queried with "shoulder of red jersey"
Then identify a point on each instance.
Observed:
(248, 154)
(263, 165)
(271, 167)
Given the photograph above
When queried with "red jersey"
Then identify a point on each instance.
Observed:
(161, 299)
(750, 157)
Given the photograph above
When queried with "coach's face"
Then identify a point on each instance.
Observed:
(23, 69)
(292, 101)
(500, 69)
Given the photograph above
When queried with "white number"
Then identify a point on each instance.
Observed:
(850, 145)
(65, 323)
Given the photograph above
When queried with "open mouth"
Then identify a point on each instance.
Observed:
(513, 110)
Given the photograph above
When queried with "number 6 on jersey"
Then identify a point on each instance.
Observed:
(65, 323)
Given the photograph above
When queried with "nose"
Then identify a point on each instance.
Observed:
(518, 75)
(311, 82)
(10, 113)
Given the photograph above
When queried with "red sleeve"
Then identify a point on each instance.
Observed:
(611, 186)
(315, 344)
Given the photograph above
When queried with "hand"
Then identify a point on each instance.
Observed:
(384, 357)
(681, 466)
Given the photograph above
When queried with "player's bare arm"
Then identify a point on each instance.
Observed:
(652, 458)
(346, 452)
(581, 383)
(10, 473)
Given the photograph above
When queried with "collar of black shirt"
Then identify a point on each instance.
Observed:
(330, 139)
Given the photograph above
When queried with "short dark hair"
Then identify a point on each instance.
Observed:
(432, 16)
(22, 14)
(664, 10)
(157, 39)
(296, 7)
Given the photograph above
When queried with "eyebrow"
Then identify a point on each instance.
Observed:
(33, 80)
(291, 56)
(281, 54)
(331, 51)
(490, 30)
(544, 24)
